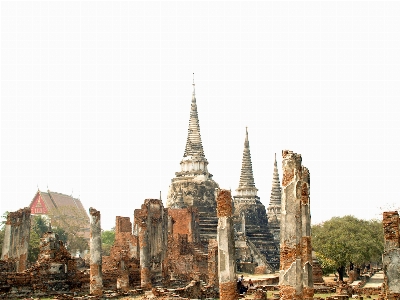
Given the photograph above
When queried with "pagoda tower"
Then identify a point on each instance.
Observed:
(193, 184)
(246, 202)
(274, 207)
(250, 216)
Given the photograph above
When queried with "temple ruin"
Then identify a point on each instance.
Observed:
(255, 244)
(151, 222)
(194, 245)
(54, 272)
(121, 269)
(295, 275)
(193, 185)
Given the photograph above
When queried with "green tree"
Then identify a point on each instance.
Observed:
(327, 265)
(107, 239)
(2, 230)
(38, 228)
(348, 240)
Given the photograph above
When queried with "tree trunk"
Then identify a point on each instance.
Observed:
(340, 271)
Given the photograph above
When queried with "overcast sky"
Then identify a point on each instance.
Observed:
(95, 98)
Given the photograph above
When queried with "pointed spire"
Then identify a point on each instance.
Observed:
(194, 91)
(194, 146)
(276, 186)
(246, 176)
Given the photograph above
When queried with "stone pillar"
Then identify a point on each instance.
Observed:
(212, 262)
(295, 275)
(226, 247)
(96, 276)
(306, 249)
(152, 222)
(16, 237)
(145, 278)
(391, 255)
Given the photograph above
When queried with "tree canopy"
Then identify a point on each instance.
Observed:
(2, 230)
(74, 223)
(107, 239)
(345, 240)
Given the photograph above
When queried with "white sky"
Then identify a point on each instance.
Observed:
(95, 98)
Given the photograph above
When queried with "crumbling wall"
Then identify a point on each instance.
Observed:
(317, 271)
(186, 259)
(185, 221)
(226, 247)
(55, 271)
(213, 262)
(391, 255)
(16, 238)
(121, 267)
(151, 222)
(295, 275)
(96, 275)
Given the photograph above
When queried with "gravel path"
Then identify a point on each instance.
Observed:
(375, 281)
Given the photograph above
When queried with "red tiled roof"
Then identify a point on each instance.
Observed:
(61, 204)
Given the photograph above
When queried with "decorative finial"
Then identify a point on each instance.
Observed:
(160, 195)
(275, 156)
(193, 95)
(247, 135)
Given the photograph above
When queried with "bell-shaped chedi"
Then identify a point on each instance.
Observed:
(193, 184)
(246, 202)
(250, 217)
(274, 207)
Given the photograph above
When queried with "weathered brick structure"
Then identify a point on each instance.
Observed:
(54, 272)
(255, 245)
(213, 263)
(295, 275)
(96, 275)
(391, 255)
(317, 270)
(151, 223)
(226, 247)
(16, 238)
(193, 185)
(187, 257)
(121, 267)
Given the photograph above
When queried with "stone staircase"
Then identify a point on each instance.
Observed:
(263, 240)
(200, 250)
(208, 226)
(259, 257)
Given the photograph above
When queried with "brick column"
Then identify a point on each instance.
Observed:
(391, 255)
(295, 275)
(96, 276)
(16, 237)
(226, 247)
(141, 221)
